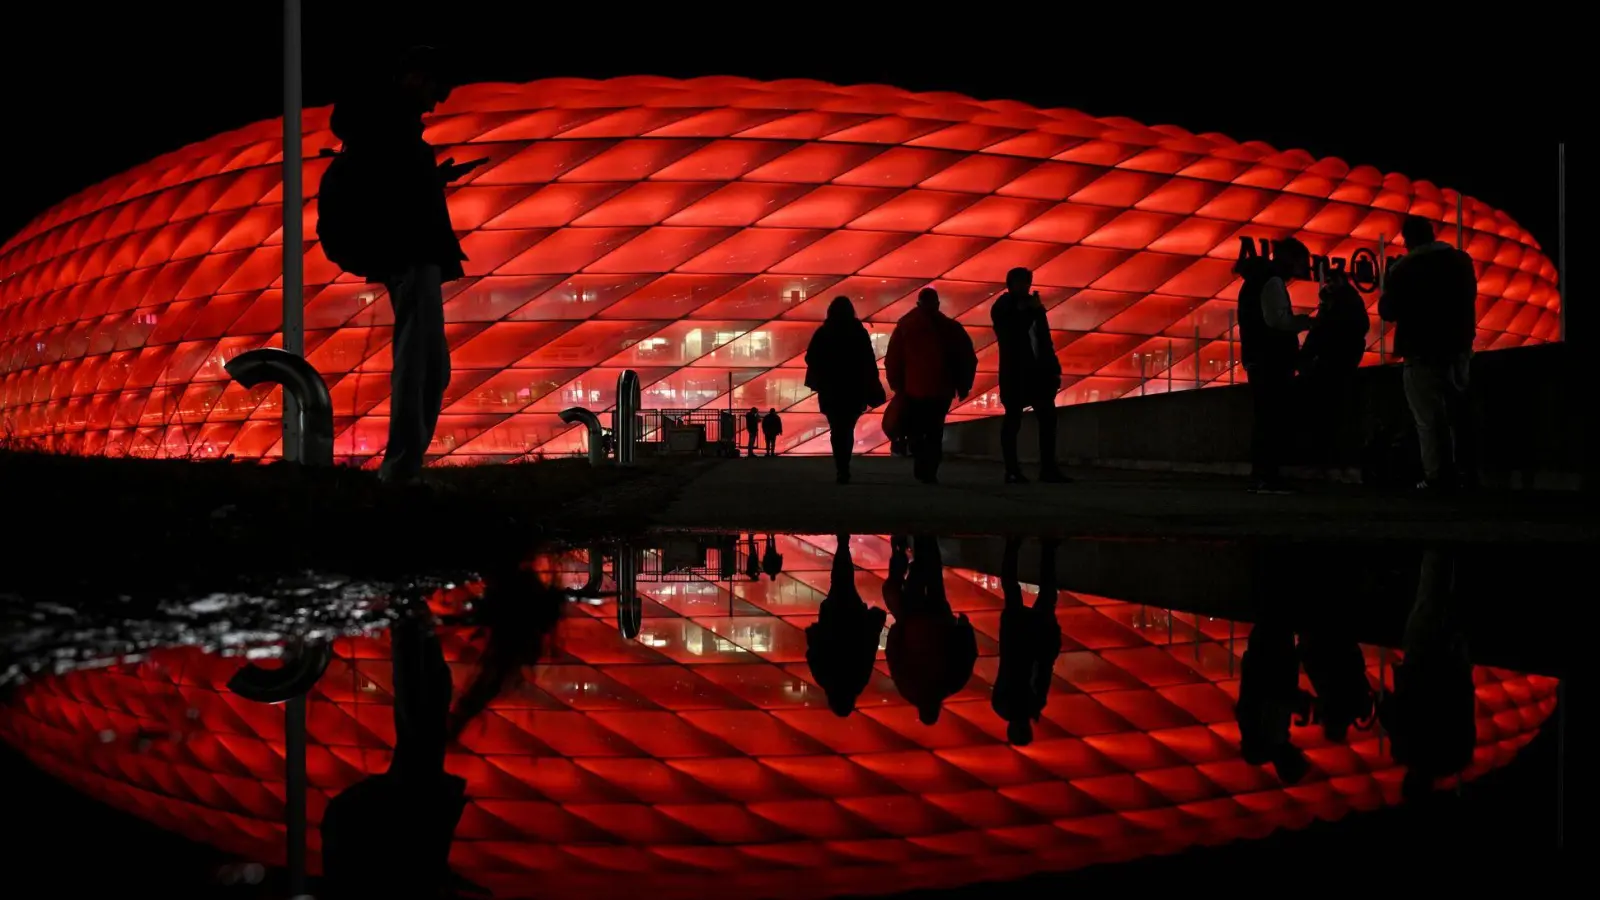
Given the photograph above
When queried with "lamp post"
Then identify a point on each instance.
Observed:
(294, 338)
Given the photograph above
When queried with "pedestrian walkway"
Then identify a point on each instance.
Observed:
(799, 494)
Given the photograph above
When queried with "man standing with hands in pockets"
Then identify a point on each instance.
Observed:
(1030, 374)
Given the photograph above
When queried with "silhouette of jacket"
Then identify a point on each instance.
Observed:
(771, 559)
(1030, 641)
(931, 651)
(840, 364)
(1338, 337)
(1259, 343)
(1028, 364)
(771, 425)
(930, 356)
(391, 174)
(842, 645)
(1269, 697)
(1431, 295)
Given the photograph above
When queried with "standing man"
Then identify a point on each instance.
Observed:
(771, 427)
(931, 361)
(1269, 345)
(1431, 296)
(383, 216)
(752, 427)
(1030, 374)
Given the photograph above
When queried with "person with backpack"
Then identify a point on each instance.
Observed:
(1030, 374)
(1269, 345)
(930, 362)
(382, 215)
(843, 370)
(1431, 297)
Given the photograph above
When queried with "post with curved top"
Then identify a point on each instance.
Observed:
(313, 407)
(591, 423)
(625, 418)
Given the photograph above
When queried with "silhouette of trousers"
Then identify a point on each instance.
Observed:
(1436, 393)
(772, 444)
(750, 441)
(1272, 402)
(925, 429)
(841, 436)
(1044, 413)
(421, 369)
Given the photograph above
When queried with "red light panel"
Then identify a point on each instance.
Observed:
(664, 207)
(704, 756)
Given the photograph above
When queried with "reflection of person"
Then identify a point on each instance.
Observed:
(1030, 641)
(1269, 696)
(930, 362)
(1430, 295)
(389, 835)
(396, 218)
(752, 558)
(1338, 673)
(1030, 374)
(1268, 346)
(771, 559)
(771, 428)
(931, 651)
(752, 428)
(1430, 714)
(843, 370)
(842, 645)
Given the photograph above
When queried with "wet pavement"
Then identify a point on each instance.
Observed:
(795, 715)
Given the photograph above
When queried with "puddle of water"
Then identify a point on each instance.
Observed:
(776, 716)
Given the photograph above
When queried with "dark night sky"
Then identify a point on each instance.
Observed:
(92, 93)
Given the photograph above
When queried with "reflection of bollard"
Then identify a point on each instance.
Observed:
(302, 666)
(591, 422)
(270, 365)
(630, 612)
(625, 418)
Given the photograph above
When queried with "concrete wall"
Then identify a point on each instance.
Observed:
(1529, 406)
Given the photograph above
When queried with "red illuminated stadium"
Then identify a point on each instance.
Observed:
(693, 231)
(702, 758)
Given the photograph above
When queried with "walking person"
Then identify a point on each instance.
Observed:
(930, 362)
(1030, 374)
(842, 645)
(1328, 361)
(1269, 344)
(843, 370)
(752, 428)
(1430, 295)
(382, 215)
(771, 428)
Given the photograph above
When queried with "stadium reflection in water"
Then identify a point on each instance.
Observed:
(704, 754)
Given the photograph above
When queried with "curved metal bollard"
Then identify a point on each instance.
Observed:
(597, 445)
(270, 365)
(625, 418)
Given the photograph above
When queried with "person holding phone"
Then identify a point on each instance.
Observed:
(383, 216)
(1030, 374)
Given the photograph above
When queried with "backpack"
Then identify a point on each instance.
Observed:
(345, 217)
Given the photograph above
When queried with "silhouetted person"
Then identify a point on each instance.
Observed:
(931, 362)
(384, 217)
(1269, 696)
(842, 645)
(1430, 295)
(1338, 673)
(931, 650)
(1030, 374)
(1328, 361)
(1030, 641)
(1430, 716)
(752, 428)
(771, 428)
(389, 835)
(519, 612)
(771, 559)
(752, 558)
(843, 370)
(1269, 344)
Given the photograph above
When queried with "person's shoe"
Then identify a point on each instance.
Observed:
(1016, 478)
(842, 477)
(1054, 476)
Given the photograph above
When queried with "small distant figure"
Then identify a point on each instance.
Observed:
(1030, 641)
(771, 428)
(1328, 361)
(771, 559)
(1030, 374)
(931, 651)
(752, 428)
(1269, 698)
(930, 362)
(843, 370)
(383, 216)
(842, 645)
(1430, 295)
(1269, 345)
(752, 558)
